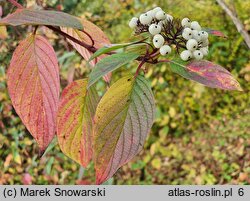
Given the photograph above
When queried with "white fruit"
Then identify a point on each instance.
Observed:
(169, 17)
(160, 15)
(187, 33)
(204, 43)
(165, 49)
(157, 9)
(133, 22)
(151, 13)
(145, 19)
(186, 22)
(204, 51)
(195, 26)
(192, 44)
(204, 35)
(186, 36)
(161, 24)
(154, 29)
(196, 35)
(158, 40)
(197, 54)
(186, 55)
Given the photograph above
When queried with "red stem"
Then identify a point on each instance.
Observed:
(139, 68)
(92, 41)
(15, 3)
(83, 44)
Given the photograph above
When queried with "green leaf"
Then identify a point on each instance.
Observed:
(206, 73)
(123, 120)
(109, 64)
(28, 16)
(104, 50)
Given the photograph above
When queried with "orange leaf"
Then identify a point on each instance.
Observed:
(74, 121)
(33, 85)
(99, 37)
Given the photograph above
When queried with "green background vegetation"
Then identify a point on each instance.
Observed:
(200, 136)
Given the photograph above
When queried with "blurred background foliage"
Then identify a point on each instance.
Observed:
(200, 136)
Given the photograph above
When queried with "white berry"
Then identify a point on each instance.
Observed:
(197, 54)
(133, 22)
(165, 49)
(169, 17)
(186, 22)
(151, 13)
(160, 15)
(204, 51)
(186, 55)
(154, 29)
(204, 35)
(187, 33)
(145, 19)
(192, 44)
(161, 24)
(204, 43)
(196, 35)
(195, 26)
(155, 10)
(158, 40)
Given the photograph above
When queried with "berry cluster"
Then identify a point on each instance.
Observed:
(197, 40)
(167, 32)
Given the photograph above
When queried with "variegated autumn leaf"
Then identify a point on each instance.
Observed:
(74, 121)
(28, 16)
(206, 73)
(99, 38)
(123, 120)
(215, 32)
(33, 85)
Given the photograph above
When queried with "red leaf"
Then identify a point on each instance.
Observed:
(207, 73)
(75, 119)
(33, 85)
(215, 32)
(27, 179)
(99, 37)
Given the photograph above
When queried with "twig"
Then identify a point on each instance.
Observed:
(15, 3)
(81, 43)
(139, 68)
(90, 37)
(236, 21)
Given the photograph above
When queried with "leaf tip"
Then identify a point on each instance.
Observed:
(239, 88)
(41, 152)
(98, 180)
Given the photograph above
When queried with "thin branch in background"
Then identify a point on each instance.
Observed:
(236, 21)
(15, 3)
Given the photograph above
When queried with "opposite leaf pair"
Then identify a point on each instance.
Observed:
(122, 120)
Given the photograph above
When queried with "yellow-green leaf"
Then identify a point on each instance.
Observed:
(74, 121)
(123, 120)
